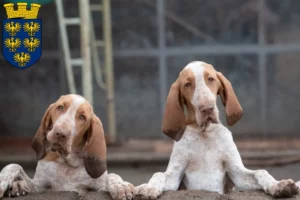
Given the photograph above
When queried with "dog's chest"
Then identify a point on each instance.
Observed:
(206, 168)
(62, 177)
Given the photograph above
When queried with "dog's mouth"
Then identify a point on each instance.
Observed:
(56, 147)
(207, 122)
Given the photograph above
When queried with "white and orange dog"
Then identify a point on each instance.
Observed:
(204, 155)
(71, 149)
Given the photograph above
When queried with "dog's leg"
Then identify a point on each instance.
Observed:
(246, 179)
(14, 181)
(118, 188)
(169, 180)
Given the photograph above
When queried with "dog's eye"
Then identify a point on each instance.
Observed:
(81, 117)
(210, 79)
(61, 108)
(188, 85)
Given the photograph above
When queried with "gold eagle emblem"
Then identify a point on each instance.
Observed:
(12, 28)
(31, 28)
(12, 44)
(22, 58)
(31, 44)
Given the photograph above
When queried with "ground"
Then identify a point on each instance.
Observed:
(179, 195)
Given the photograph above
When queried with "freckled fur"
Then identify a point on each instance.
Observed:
(205, 159)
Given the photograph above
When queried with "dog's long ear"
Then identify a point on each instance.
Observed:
(38, 142)
(95, 149)
(174, 122)
(234, 111)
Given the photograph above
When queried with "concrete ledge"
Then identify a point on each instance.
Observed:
(179, 195)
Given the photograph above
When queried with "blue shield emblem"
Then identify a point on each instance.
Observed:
(22, 41)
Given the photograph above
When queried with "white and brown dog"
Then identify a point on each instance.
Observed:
(71, 149)
(204, 155)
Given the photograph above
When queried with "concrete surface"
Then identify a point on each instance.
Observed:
(179, 195)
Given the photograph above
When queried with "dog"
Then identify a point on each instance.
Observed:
(71, 151)
(204, 155)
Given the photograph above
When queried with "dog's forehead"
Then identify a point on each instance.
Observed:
(77, 100)
(73, 102)
(198, 69)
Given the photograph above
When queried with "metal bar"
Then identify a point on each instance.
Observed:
(111, 116)
(160, 8)
(87, 81)
(95, 56)
(203, 50)
(99, 43)
(96, 7)
(71, 21)
(77, 62)
(262, 66)
(210, 50)
(65, 46)
(61, 63)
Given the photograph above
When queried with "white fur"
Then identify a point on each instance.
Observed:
(202, 158)
(66, 173)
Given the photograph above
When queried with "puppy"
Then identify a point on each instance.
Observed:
(204, 155)
(71, 152)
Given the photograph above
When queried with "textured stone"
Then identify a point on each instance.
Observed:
(179, 195)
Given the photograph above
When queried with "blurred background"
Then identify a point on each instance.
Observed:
(138, 48)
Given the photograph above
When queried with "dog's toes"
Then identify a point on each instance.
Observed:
(286, 188)
(19, 188)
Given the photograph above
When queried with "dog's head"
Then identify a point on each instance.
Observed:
(195, 91)
(70, 126)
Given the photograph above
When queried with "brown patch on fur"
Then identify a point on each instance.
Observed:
(175, 121)
(51, 156)
(210, 72)
(39, 140)
(234, 111)
(95, 150)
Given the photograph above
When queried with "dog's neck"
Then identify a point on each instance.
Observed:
(72, 159)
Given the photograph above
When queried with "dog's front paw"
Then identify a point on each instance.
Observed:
(284, 188)
(5, 184)
(147, 191)
(122, 190)
(18, 188)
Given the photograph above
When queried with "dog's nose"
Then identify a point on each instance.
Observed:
(206, 110)
(60, 135)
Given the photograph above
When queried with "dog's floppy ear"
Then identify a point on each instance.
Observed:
(234, 111)
(174, 121)
(38, 142)
(95, 150)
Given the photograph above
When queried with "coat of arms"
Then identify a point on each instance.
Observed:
(22, 35)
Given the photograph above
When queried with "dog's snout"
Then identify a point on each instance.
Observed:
(206, 109)
(60, 133)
